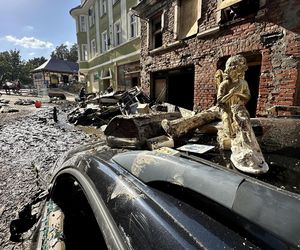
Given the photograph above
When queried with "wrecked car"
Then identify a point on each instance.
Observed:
(119, 199)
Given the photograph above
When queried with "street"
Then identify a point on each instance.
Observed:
(30, 141)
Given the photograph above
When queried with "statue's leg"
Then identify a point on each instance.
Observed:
(225, 133)
(246, 153)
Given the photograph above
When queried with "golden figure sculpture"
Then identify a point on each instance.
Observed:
(237, 134)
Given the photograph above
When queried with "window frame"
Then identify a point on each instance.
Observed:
(82, 25)
(132, 25)
(104, 42)
(223, 19)
(93, 48)
(117, 33)
(103, 7)
(91, 16)
(153, 33)
(84, 52)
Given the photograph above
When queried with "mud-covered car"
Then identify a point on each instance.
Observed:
(108, 198)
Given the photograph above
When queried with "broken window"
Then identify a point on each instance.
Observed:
(157, 31)
(106, 74)
(190, 12)
(234, 9)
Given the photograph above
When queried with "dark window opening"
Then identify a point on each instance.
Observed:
(65, 78)
(239, 10)
(106, 84)
(175, 86)
(134, 81)
(81, 230)
(157, 40)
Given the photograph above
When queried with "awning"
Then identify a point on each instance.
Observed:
(226, 3)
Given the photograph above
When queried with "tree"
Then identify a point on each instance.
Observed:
(13, 68)
(4, 66)
(73, 54)
(62, 52)
(30, 65)
(10, 65)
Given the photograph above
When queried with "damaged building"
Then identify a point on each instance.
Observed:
(184, 42)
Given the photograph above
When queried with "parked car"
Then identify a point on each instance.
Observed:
(116, 199)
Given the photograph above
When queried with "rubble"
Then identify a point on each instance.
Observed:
(133, 131)
(8, 110)
(159, 142)
(93, 115)
(99, 110)
(4, 102)
(57, 96)
(24, 102)
(180, 127)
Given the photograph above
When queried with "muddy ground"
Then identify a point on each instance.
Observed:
(30, 141)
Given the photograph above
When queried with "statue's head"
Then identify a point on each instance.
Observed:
(236, 66)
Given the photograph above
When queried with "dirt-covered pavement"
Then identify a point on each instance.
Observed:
(30, 141)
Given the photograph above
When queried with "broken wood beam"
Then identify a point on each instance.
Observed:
(180, 127)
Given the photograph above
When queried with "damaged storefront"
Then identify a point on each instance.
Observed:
(129, 75)
(184, 42)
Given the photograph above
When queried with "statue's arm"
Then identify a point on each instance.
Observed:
(223, 94)
(244, 94)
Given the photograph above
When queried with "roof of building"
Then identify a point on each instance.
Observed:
(57, 65)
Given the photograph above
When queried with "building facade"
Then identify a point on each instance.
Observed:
(108, 38)
(184, 42)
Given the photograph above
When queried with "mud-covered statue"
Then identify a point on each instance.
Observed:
(237, 133)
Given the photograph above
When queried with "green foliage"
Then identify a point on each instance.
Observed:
(73, 54)
(62, 52)
(12, 67)
(30, 65)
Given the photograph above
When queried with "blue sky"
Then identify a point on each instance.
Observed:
(36, 27)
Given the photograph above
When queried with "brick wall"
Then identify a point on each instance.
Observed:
(273, 33)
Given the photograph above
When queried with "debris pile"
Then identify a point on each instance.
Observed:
(99, 110)
(137, 131)
(3, 102)
(24, 102)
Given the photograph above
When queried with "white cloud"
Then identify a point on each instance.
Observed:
(29, 42)
(68, 44)
(28, 28)
(31, 53)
